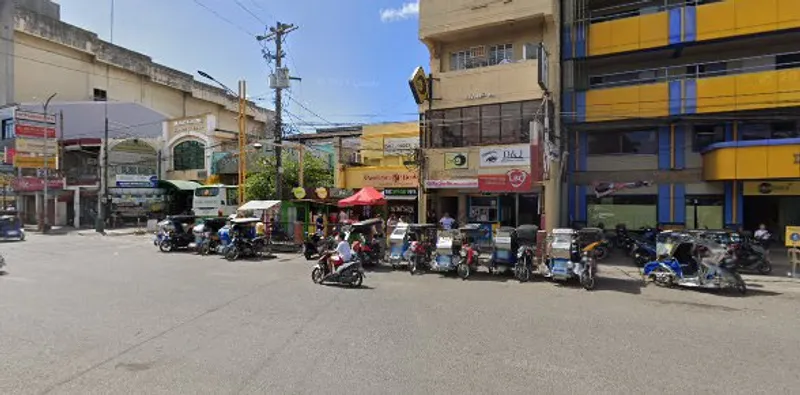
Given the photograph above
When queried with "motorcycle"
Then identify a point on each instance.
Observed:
(245, 247)
(350, 273)
(643, 252)
(524, 265)
(366, 253)
(313, 245)
(419, 255)
(469, 261)
(752, 257)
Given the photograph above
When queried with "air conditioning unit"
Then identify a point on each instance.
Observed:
(356, 159)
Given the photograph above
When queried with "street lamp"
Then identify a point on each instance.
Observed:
(242, 96)
(43, 216)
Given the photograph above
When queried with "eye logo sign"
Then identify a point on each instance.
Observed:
(490, 156)
(512, 155)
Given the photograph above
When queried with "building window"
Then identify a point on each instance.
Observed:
(8, 129)
(787, 61)
(507, 123)
(100, 95)
(458, 60)
(784, 130)
(614, 143)
(633, 211)
(709, 211)
(705, 135)
(754, 131)
(189, 155)
(499, 54)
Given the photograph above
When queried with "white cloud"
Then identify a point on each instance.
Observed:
(407, 11)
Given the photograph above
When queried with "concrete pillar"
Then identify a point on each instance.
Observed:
(39, 206)
(463, 216)
(76, 206)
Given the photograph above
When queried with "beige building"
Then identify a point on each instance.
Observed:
(489, 84)
(46, 56)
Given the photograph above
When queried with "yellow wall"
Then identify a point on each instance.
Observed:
(639, 101)
(382, 170)
(779, 88)
(751, 163)
(739, 17)
(629, 34)
(727, 18)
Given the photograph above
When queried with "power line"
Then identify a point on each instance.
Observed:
(242, 6)
(222, 18)
(307, 109)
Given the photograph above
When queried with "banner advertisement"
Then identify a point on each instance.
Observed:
(506, 156)
(602, 189)
(513, 181)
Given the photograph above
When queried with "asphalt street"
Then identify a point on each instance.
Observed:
(112, 315)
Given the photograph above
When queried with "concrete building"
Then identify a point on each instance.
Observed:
(489, 84)
(691, 107)
(41, 55)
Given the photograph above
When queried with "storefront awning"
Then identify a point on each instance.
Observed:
(179, 185)
(259, 205)
(752, 160)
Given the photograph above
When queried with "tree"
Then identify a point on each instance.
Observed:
(261, 182)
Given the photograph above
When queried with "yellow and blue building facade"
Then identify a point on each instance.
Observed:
(716, 87)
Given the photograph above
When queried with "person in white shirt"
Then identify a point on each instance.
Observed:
(447, 221)
(763, 236)
(343, 253)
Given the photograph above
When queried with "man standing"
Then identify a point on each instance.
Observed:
(447, 221)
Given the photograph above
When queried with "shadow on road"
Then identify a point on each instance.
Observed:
(614, 284)
(363, 287)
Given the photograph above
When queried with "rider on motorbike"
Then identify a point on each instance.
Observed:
(343, 253)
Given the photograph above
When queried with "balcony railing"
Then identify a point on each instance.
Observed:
(698, 70)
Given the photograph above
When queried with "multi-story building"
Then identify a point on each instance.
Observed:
(385, 161)
(488, 86)
(682, 112)
(184, 121)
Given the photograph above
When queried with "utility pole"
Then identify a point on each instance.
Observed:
(45, 207)
(242, 138)
(279, 82)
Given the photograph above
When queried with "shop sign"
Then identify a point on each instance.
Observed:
(456, 160)
(763, 188)
(400, 146)
(136, 181)
(339, 193)
(506, 156)
(381, 180)
(36, 146)
(34, 117)
(419, 84)
(400, 192)
(792, 236)
(513, 181)
(35, 131)
(35, 162)
(456, 183)
(299, 193)
(33, 184)
(186, 125)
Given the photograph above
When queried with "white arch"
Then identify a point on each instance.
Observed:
(178, 138)
(189, 136)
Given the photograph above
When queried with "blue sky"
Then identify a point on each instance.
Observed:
(354, 56)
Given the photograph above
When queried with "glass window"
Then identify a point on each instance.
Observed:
(471, 124)
(635, 211)
(529, 110)
(511, 115)
(705, 135)
(8, 129)
(458, 60)
(641, 143)
(189, 155)
(490, 124)
(709, 212)
(784, 130)
(206, 192)
(636, 143)
(232, 196)
(754, 131)
(502, 53)
(453, 136)
(436, 128)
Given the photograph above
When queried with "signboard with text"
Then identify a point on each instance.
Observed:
(390, 179)
(136, 181)
(456, 183)
(506, 156)
(36, 134)
(400, 146)
(513, 181)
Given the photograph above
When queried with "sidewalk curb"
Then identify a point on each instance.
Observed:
(136, 232)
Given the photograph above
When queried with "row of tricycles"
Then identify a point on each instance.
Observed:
(230, 237)
(523, 251)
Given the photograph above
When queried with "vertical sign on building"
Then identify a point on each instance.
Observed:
(35, 135)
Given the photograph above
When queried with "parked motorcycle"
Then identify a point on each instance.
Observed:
(751, 256)
(419, 256)
(241, 247)
(643, 252)
(350, 273)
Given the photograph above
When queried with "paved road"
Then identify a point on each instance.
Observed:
(86, 315)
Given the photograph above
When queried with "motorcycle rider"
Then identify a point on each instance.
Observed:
(763, 237)
(342, 256)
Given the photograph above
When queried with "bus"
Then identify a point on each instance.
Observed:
(215, 200)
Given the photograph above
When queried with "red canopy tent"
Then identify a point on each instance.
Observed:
(367, 196)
